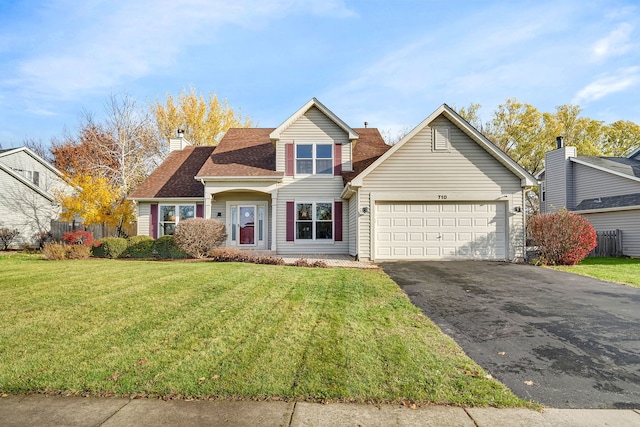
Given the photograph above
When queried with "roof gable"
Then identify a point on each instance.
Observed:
(275, 134)
(527, 180)
(29, 152)
(620, 166)
(26, 182)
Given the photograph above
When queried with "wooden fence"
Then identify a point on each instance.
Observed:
(99, 230)
(609, 244)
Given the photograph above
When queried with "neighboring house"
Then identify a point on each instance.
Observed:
(605, 190)
(27, 187)
(314, 185)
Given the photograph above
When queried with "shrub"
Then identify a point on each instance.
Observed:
(54, 251)
(563, 238)
(110, 247)
(199, 236)
(42, 237)
(236, 255)
(140, 247)
(7, 235)
(305, 263)
(62, 251)
(78, 251)
(165, 247)
(78, 237)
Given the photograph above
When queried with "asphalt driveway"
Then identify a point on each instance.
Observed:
(560, 339)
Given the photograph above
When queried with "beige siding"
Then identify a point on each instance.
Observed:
(144, 219)
(313, 127)
(591, 183)
(628, 221)
(464, 172)
(311, 189)
(353, 229)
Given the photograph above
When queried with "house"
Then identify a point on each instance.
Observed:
(605, 190)
(315, 185)
(27, 187)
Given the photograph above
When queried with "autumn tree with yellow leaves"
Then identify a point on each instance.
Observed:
(203, 120)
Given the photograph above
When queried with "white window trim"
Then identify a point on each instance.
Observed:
(314, 221)
(177, 207)
(313, 159)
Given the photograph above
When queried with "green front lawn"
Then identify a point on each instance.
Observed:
(225, 330)
(619, 270)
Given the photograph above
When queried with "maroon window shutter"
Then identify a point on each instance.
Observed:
(338, 221)
(153, 223)
(337, 159)
(291, 221)
(199, 211)
(289, 168)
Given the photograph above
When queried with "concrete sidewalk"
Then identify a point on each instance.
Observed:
(38, 410)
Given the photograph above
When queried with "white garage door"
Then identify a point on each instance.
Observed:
(431, 230)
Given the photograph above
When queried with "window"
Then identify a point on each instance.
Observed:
(543, 191)
(314, 159)
(169, 219)
(314, 221)
(33, 176)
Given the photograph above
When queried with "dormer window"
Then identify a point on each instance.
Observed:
(314, 159)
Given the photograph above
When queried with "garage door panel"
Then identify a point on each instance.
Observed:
(429, 230)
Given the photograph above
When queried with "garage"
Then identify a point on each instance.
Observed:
(440, 230)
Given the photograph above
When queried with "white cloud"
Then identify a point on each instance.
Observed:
(615, 43)
(608, 84)
(102, 45)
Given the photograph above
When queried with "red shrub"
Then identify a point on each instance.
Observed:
(78, 237)
(563, 238)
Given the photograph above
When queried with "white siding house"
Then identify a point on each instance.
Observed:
(28, 185)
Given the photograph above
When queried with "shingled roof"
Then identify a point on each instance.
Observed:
(609, 202)
(175, 177)
(367, 149)
(243, 152)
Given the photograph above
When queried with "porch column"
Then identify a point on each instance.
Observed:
(207, 205)
(274, 220)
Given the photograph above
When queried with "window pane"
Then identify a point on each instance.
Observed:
(187, 212)
(304, 151)
(304, 211)
(303, 230)
(304, 166)
(260, 222)
(323, 211)
(168, 228)
(324, 230)
(168, 213)
(324, 167)
(324, 151)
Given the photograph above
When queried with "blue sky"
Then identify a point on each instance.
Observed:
(388, 62)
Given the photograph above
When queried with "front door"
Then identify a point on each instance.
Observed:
(247, 225)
